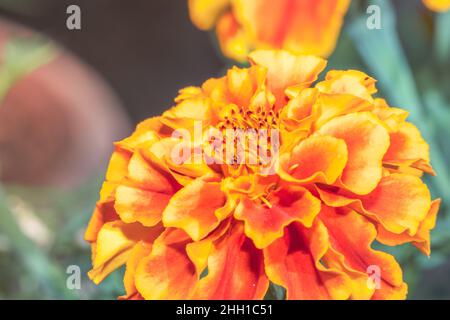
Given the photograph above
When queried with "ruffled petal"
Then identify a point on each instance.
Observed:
(104, 212)
(187, 112)
(140, 205)
(422, 237)
(367, 142)
(193, 207)
(199, 251)
(118, 165)
(332, 105)
(145, 174)
(167, 273)
(297, 114)
(392, 117)
(266, 224)
(139, 251)
(114, 244)
(294, 262)
(165, 155)
(235, 269)
(243, 84)
(400, 202)
(352, 235)
(146, 132)
(99, 217)
(285, 70)
(315, 159)
(408, 148)
(352, 82)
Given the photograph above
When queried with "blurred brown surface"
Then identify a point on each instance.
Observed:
(146, 50)
(57, 124)
(50, 131)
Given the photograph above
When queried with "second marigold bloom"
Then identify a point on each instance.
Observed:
(300, 26)
(437, 5)
(346, 173)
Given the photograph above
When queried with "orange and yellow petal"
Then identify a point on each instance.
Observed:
(114, 244)
(148, 176)
(352, 82)
(299, 109)
(193, 208)
(205, 13)
(407, 147)
(352, 235)
(243, 84)
(421, 239)
(300, 26)
(165, 155)
(139, 205)
(315, 159)
(235, 269)
(146, 132)
(118, 165)
(348, 173)
(140, 250)
(199, 251)
(167, 273)
(400, 202)
(331, 105)
(293, 262)
(187, 112)
(367, 141)
(285, 69)
(265, 224)
(103, 213)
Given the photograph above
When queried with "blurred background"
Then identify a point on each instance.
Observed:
(66, 95)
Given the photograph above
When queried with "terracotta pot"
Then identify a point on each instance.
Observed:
(57, 124)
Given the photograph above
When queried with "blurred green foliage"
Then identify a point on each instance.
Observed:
(21, 56)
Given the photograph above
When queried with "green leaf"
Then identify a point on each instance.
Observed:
(442, 39)
(275, 292)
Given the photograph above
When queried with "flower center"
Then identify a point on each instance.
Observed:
(242, 118)
(250, 136)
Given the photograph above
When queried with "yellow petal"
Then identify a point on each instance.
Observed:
(285, 69)
(192, 209)
(204, 13)
(114, 244)
(437, 5)
(367, 141)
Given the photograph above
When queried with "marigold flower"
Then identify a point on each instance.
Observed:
(437, 5)
(347, 173)
(300, 26)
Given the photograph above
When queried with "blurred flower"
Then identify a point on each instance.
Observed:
(347, 173)
(437, 5)
(301, 26)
